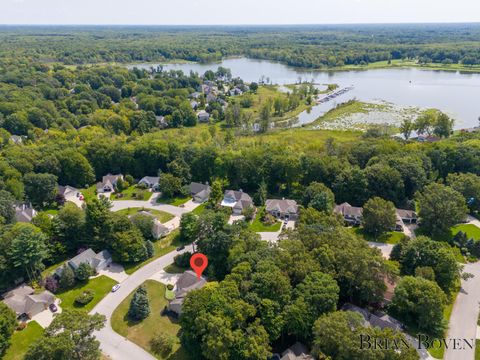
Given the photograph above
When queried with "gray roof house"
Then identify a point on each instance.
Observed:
(200, 192)
(25, 302)
(203, 116)
(380, 320)
(237, 200)
(24, 213)
(187, 282)
(351, 214)
(283, 209)
(150, 182)
(297, 351)
(97, 261)
(108, 183)
(159, 230)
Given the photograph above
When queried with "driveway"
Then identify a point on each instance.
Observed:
(165, 278)
(473, 221)
(115, 272)
(463, 321)
(45, 318)
(386, 249)
(111, 343)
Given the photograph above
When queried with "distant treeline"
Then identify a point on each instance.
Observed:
(303, 46)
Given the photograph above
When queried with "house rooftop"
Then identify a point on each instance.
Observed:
(283, 205)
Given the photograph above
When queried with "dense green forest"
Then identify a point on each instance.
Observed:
(303, 46)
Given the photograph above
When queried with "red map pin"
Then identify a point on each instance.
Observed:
(198, 263)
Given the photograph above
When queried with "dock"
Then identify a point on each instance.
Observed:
(333, 95)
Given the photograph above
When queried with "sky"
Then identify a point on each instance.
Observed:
(233, 12)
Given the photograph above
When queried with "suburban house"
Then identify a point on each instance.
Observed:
(297, 351)
(187, 282)
(161, 122)
(97, 261)
(71, 194)
(150, 182)
(379, 319)
(203, 116)
(351, 214)
(159, 230)
(200, 192)
(24, 213)
(25, 302)
(108, 183)
(282, 209)
(237, 200)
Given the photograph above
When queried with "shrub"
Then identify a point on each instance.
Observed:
(150, 248)
(83, 272)
(85, 297)
(268, 219)
(162, 344)
(21, 326)
(51, 284)
(183, 260)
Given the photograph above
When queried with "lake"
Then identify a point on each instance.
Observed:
(455, 93)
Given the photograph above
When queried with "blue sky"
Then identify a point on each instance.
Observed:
(168, 12)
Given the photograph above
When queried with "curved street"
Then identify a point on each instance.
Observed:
(111, 343)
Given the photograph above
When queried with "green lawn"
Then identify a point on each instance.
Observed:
(161, 247)
(471, 230)
(175, 201)
(142, 332)
(21, 340)
(199, 209)
(130, 194)
(89, 193)
(257, 225)
(160, 215)
(477, 349)
(393, 237)
(173, 269)
(51, 269)
(101, 285)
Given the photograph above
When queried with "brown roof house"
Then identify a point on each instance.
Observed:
(351, 214)
(200, 192)
(25, 302)
(283, 209)
(237, 200)
(187, 282)
(108, 183)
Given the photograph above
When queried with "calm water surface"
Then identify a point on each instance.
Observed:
(457, 94)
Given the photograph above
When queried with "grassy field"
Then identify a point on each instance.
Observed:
(257, 225)
(131, 193)
(269, 93)
(410, 64)
(101, 285)
(21, 340)
(175, 201)
(161, 247)
(162, 216)
(142, 332)
(392, 237)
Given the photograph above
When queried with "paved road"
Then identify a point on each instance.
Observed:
(463, 321)
(111, 343)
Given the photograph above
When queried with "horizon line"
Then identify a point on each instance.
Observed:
(257, 24)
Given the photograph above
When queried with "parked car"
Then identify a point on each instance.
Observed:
(53, 308)
(115, 287)
(181, 247)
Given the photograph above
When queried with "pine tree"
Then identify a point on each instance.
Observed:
(139, 306)
(150, 248)
(67, 279)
